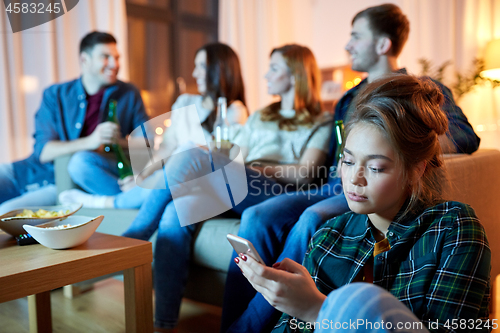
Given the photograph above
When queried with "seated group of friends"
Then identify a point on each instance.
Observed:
(376, 241)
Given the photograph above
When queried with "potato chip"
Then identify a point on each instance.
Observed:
(42, 213)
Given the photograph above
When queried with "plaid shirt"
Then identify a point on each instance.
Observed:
(460, 130)
(438, 264)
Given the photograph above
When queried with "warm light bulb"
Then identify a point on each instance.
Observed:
(492, 60)
(349, 85)
(493, 74)
(357, 81)
(167, 122)
(159, 131)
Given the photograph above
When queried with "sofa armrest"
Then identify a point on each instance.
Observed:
(62, 178)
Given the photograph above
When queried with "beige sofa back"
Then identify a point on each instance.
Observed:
(475, 180)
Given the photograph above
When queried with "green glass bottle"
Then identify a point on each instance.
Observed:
(339, 133)
(112, 118)
(124, 168)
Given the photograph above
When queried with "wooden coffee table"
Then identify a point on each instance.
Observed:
(34, 270)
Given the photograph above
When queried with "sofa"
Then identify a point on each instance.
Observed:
(472, 179)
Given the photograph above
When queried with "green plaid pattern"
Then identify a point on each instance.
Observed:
(438, 264)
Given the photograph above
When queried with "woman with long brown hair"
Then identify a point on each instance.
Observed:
(280, 135)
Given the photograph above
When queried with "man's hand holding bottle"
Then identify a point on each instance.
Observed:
(104, 134)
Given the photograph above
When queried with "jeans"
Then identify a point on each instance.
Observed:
(367, 305)
(12, 197)
(95, 173)
(278, 228)
(8, 183)
(135, 197)
(132, 199)
(173, 243)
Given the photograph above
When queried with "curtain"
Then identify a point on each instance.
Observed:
(455, 30)
(33, 59)
(253, 28)
(482, 105)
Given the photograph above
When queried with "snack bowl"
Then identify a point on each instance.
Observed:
(14, 225)
(58, 235)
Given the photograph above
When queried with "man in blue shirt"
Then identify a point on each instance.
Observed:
(72, 119)
(281, 227)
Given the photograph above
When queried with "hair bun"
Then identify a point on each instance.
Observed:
(433, 117)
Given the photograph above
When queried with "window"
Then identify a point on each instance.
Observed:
(163, 38)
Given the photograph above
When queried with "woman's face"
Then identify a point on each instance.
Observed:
(372, 180)
(200, 71)
(279, 79)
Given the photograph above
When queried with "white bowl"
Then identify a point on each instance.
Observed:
(82, 227)
(14, 225)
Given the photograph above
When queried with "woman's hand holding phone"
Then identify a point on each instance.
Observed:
(287, 285)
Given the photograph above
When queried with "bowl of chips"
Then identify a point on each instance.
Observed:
(64, 234)
(13, 221)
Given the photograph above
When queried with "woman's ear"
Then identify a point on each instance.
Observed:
(383, 46)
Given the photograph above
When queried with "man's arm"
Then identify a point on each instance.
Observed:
(461, 137)
(105, 133)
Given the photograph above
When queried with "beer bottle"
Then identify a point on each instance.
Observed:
(339, 133)
(124, 168)
(221, 125)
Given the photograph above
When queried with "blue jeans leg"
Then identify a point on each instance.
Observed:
(260, 188)
(149, 216)
(172, 252)
(136, 196)
(369, 305)
(94, 172)
(132, 199)
(8, 184)
(310, 221)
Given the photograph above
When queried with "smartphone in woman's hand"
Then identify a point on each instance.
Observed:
(241, 245)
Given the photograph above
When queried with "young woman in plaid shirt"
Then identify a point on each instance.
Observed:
(423, 263)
